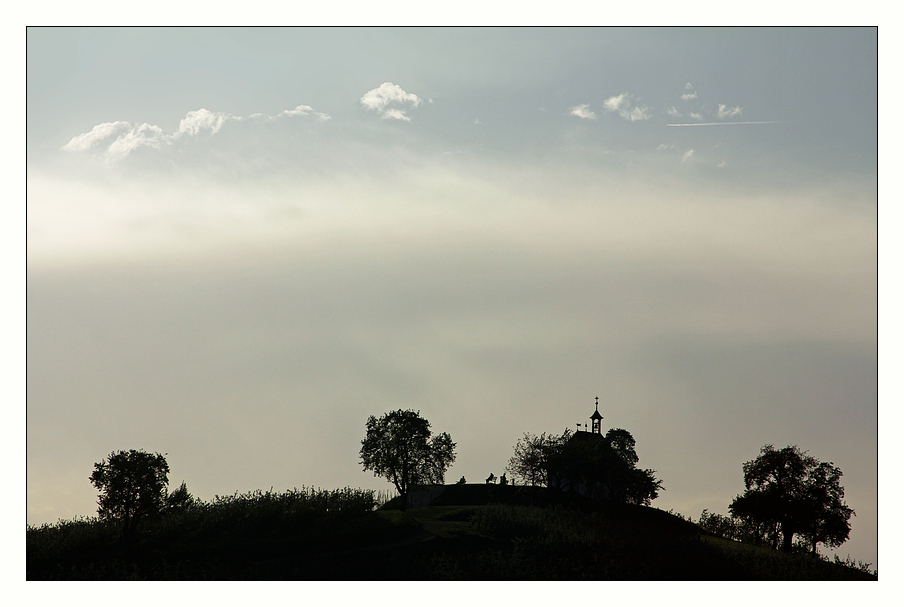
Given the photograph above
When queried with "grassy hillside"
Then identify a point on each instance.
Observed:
(470, 532)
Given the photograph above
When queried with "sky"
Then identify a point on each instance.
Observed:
(243, 242)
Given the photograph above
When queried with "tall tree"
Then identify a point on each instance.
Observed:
(622, 443)
(530, 463)
(399, 447)
(829, 524)
(795, 493)
(132, 487)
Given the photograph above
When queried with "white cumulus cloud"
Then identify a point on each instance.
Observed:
(616, 103)
(197, 120)
(118, 139)
(142, 135)
(625, 107)
(728, 112)
(101, 132)
(690, 94)
(396, 114)
(304, 110)
(583, 111)
(388, 94)
(637, 113)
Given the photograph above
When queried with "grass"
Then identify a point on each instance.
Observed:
(473, 532)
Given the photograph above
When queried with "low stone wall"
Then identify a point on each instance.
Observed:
(421, 498)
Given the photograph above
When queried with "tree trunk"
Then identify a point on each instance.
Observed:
(787, 538)
(127, 528)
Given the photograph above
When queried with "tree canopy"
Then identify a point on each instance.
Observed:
(599, 466)
(530, 463)
(399, 447)
(132, 486)
(788, 492)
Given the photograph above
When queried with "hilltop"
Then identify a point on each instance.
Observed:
(468, 532)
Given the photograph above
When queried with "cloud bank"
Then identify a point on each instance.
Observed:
(116, 140)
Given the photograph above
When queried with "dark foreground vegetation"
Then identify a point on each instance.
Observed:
(470, 532)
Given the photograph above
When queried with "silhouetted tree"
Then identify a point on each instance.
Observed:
(825, 497)
(622, 443)
(399, 447)
(601, 466)
(530, 463)
(180, 498)
(132, 487)
(643, 487)
(737, 528)
(790, 492)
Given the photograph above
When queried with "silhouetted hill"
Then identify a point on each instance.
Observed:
(468, 532)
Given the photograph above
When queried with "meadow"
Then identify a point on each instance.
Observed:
(470, 532)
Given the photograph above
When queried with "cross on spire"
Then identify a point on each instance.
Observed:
(596, 418)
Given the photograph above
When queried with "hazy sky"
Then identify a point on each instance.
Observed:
(242, 243)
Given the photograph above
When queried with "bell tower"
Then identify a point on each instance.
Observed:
(596, 418)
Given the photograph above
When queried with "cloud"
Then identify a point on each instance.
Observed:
(303, 110)
(728, 112)
(583, 111)
(637, 113)
(614, 104)
(118, 139)
(143, 135)
(396, 114)
(669, 147)
(673, 111)
(696, 116)
(101, 132)
(197, 120)
(125, 136)
(623, 105)
(690, 94)
(389, 94)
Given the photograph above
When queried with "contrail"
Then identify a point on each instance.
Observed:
(726, 123)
